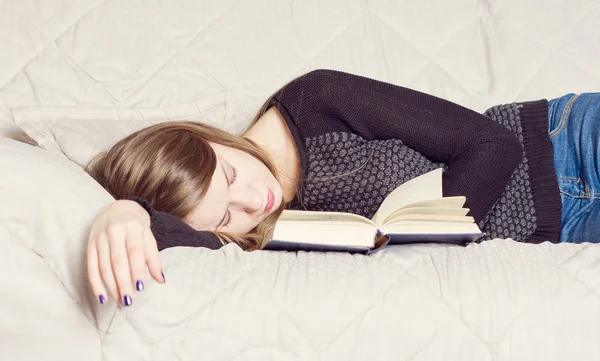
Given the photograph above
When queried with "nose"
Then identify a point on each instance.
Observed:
(246, 198)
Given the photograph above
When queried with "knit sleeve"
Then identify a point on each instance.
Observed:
(170, 231)
(479, 153)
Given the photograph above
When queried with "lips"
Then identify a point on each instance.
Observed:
(270, 200)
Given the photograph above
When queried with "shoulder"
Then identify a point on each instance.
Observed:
(311, 102)
(315, 84)
(318, 75)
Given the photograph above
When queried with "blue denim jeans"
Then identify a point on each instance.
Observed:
(574, 126)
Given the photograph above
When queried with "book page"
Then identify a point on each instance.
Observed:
(447, 206)
(428, 218)
(446, 202)
(421, 227)
(429, 210)
(320, 216)
(351, 234)
(427, 186)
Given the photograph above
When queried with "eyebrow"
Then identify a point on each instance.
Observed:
(225, 214)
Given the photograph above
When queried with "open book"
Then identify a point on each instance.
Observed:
(415, 212)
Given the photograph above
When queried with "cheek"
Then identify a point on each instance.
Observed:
(244, 224)
(196, 220)
(255, 166)
(263, 169)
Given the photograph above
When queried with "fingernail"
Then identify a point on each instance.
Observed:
(139, 285)
(127, 300)
(163, 276)
(102, 299)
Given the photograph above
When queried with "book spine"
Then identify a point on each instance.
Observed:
(455, 238)
(275, 245)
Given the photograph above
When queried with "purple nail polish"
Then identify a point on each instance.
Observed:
(139, 285)
(163, 275)
(102, 299)
(127, 300)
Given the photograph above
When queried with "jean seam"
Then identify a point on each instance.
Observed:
(562, 124)
(585, 195)
(578, 180)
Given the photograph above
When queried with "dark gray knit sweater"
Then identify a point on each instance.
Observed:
(360, 138)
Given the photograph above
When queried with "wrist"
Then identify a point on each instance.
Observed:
(142, 207)
(142, 203)
(123, 207)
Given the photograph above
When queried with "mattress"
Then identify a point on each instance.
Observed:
(499, 300)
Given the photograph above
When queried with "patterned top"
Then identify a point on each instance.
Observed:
(360, 138)
(347, 173)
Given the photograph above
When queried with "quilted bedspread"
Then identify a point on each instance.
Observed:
(136, 53)
(499, 300)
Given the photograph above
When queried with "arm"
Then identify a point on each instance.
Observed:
(170, 231)
(480, 154)
(125, 238)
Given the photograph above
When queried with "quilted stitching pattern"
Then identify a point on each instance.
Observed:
(499, 300)
(489, 301)
(131, 53)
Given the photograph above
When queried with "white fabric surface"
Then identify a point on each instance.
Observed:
(500, 300)
(134, 53)
(79, 133)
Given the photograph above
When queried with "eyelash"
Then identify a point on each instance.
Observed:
(234, 175)
(229, 213)
(228, 220)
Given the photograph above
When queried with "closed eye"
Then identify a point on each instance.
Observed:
(228, 214)
(228, 220)
(234, 175)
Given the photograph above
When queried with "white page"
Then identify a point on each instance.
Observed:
(424, 187)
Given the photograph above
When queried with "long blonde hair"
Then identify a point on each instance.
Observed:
(171, 165)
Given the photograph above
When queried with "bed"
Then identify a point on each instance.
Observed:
(75, 76)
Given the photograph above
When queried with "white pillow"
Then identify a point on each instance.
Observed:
(79, 133)
(47, 205)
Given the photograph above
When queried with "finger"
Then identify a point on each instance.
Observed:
(120, 265)
(137, 259)
(105, 266)
(94, 273)
(152, 257)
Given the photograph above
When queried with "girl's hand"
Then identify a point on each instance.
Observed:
(120, 245)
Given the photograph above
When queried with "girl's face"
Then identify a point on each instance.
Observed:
(241, 194)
